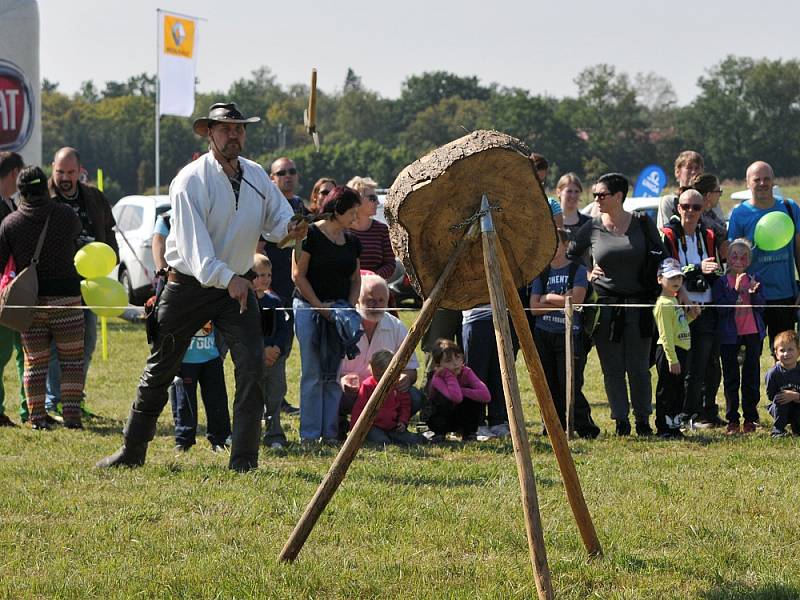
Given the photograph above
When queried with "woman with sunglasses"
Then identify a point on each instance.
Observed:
(376, 248)
(712, 217)
(321, 189)
(625, 250)
(696, 248)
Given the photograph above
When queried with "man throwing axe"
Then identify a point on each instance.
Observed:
(221, 204)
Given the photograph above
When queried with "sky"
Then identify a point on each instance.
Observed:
(536, 45)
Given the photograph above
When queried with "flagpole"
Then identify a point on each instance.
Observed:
(158, 100)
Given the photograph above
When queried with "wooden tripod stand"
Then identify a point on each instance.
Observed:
(505, 300)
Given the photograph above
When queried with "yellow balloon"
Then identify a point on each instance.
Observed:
(104, 292)
(95, 260)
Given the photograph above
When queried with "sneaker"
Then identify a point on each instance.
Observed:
(219, 448)
(702, 423)
(733, 429)
(41, 425)
(277, 446)
(623, 428)
(6, 422)
(332, 442)
(778, 433)
(470, 437)
(180, 448)
(717, 421)
(436, 438)
(643, 429)
(501, 430)
(288, 409)
(484, 433)
(749, 427)
(73, 424)
(54, 419)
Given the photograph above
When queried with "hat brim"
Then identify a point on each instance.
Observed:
(671, 274)
(202, 124)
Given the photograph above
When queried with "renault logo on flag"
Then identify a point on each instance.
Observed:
(178, 36)
(16, 108)
(178, 33)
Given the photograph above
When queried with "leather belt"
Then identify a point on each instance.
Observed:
(178, 277)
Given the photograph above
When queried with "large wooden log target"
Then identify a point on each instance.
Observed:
(444, 188)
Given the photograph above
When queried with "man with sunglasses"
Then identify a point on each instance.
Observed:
(696, 248)
(221, 203)
(284, 174)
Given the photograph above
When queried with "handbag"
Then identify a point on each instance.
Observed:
(18, 299)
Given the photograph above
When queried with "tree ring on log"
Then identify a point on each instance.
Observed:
(444, 188)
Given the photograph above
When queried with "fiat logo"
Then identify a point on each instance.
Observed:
(16, 107)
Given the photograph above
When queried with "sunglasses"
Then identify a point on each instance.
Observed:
(601, 195)
(371, 198)
(692, 207)
(283, 172)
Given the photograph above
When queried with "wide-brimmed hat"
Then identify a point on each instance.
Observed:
(221, 112)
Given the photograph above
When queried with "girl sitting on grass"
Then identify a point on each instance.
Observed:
(455, 394)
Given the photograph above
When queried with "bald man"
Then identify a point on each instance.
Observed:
(774, 269)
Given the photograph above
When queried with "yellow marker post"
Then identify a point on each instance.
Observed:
(103, 320)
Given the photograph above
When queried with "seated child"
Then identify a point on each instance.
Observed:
(201, 364)
(391, 422)
(783, 385)
(277, 336)
(674, 341)
(740, 327)
(455, 393)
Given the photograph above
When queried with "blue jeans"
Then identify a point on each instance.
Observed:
(319, 396)
(747, 376)
(183, 397)
(53, 396)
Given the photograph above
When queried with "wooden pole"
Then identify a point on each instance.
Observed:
(330, 483)
(569, 356)
(558, 440)
(516, 419)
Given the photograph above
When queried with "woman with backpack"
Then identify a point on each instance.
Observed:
(625, 250)
(695, 247)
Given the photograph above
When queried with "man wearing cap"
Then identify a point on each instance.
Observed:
(221, 204)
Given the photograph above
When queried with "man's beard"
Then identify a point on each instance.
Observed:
(370, 314)
(67, 186)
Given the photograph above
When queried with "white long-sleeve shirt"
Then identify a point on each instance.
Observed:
(210, 239)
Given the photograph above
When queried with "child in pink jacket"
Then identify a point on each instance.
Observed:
(455, 394)
(391, 423)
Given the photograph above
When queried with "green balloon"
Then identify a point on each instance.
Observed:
(102, 293)
(773, 231)
(95, 260)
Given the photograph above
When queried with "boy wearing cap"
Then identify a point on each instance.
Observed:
(674, 341)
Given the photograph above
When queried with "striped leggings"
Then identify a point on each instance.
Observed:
(65, 326)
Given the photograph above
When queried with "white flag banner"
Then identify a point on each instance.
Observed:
(177, 58)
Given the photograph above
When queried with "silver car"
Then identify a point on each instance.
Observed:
(136, 217)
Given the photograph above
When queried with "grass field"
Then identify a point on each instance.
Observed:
(709, 517)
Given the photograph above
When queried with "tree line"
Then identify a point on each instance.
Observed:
(745, 109)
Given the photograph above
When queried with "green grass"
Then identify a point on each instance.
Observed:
(709, 517)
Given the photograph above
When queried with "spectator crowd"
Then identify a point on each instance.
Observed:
(688, 293)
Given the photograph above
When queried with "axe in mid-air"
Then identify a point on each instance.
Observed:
(310, 114)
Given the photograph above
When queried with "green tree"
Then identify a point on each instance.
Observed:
(429, 89)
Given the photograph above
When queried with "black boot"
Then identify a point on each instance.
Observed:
(138, 432)
(130, 455)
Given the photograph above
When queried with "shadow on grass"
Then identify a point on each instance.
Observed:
(449, 481)
(770, 591)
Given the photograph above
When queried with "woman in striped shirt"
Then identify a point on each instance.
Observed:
(376, 249)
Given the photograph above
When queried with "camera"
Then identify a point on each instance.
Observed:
(694, 279)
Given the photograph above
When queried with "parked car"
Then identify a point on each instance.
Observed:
(136, 217)
(646, 204)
